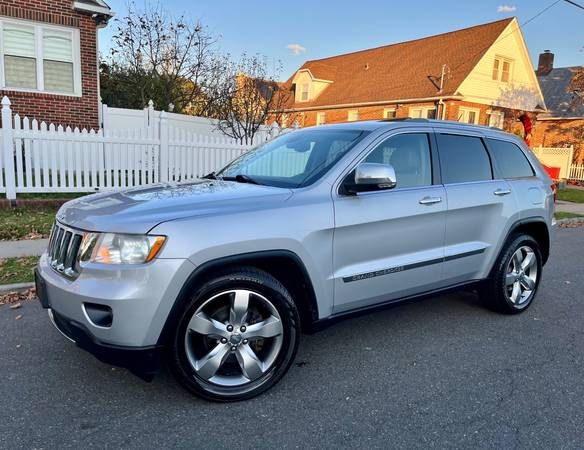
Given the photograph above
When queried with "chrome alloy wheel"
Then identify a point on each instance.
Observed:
(233, 338)
(521, 276)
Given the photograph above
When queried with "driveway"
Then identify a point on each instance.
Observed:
(444, 372)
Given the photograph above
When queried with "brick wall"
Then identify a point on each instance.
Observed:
(561, 133)
(60, 109)
(308, 118)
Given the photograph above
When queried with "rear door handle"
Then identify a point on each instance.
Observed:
(430, 200)
(502, 192)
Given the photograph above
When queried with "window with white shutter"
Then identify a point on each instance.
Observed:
(20, 68)
(58, 61)
(40, 57)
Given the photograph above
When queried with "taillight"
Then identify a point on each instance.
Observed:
(554, 190)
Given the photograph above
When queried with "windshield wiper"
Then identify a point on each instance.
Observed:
(210, 176)
(240, 178)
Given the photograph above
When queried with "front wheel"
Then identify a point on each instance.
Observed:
(515, 277)
(236, 337)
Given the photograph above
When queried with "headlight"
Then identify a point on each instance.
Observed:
(110, 248)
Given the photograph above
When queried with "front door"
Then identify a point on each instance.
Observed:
(390, 243)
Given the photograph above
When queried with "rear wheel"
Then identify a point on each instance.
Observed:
(237, 336)
(515, 278)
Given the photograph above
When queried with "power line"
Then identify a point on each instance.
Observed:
(574, 3)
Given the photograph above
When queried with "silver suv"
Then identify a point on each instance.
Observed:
(221, 275)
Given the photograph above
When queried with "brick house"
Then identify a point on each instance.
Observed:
(482, 75)
(49, 67)
(563, 123)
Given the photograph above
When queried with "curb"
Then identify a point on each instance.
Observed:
(18, 287)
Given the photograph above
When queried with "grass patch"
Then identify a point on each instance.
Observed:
(54, 195)
(17, 270)
(571, 195)
(26, 223)
(566, 215)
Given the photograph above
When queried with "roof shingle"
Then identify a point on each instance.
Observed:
(406, 70)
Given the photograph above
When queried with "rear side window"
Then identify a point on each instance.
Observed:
(463, 159)
(510, 160)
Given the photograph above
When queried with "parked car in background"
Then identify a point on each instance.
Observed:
(222, 275)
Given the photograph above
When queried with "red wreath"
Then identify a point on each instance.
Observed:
(527, 127)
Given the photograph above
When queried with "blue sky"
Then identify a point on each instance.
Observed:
(293, 32)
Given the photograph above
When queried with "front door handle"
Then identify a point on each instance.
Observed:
(501, 192)
(430, 200)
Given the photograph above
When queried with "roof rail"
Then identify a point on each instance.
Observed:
(405, 119)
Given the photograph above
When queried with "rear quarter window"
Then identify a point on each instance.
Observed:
(463, 159)
(510, 159)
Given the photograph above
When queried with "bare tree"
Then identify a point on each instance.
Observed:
(173, 61)
(248, 96)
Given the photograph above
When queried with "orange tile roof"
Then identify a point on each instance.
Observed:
(406, 70)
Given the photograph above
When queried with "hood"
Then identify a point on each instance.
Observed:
(138, 210)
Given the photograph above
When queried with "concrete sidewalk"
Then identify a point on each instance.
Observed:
(571, 207)
(18, 249)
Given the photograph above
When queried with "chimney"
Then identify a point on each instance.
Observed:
(546, 63)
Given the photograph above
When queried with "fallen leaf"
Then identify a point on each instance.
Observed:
(16, 305)
(18, 317)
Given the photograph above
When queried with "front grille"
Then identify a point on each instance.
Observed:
(63, 250)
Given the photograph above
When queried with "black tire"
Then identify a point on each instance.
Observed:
(495, 292)
(249, 279)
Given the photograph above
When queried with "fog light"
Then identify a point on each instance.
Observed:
(99, 315)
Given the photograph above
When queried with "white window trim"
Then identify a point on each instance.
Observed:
(356, 112)
(307, 92)
(423, 109)
(319, 115)
(500, 69)
(388, 110)
(463, 109)
(499, 114)
(38, 30)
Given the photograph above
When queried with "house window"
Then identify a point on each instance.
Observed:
(496, 119)
(38, 57)
(320, 118)
(304, 92)
(502, 69)
(353, 115)
(426, 112)
(389, 113)
(469, 115)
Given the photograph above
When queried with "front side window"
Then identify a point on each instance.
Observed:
(409, 154)
(463, 159)
(295, 159)
(41, 58)
(510, 160)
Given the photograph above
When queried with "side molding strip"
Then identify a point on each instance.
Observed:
(379, 273)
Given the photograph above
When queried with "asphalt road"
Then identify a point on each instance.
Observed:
(440, 373)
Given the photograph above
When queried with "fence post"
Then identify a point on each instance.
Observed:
(163, 160)
(8, 146)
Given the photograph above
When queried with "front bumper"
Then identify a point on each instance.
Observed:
(143, 362)
(139, 299)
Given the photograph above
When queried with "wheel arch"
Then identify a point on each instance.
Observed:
(284, 265)
(537, 228)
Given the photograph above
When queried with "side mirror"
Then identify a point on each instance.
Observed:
(371, 177)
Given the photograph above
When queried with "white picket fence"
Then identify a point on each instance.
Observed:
(577, 172)
(37, 157)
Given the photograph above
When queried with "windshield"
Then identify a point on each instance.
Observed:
(293, 160)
